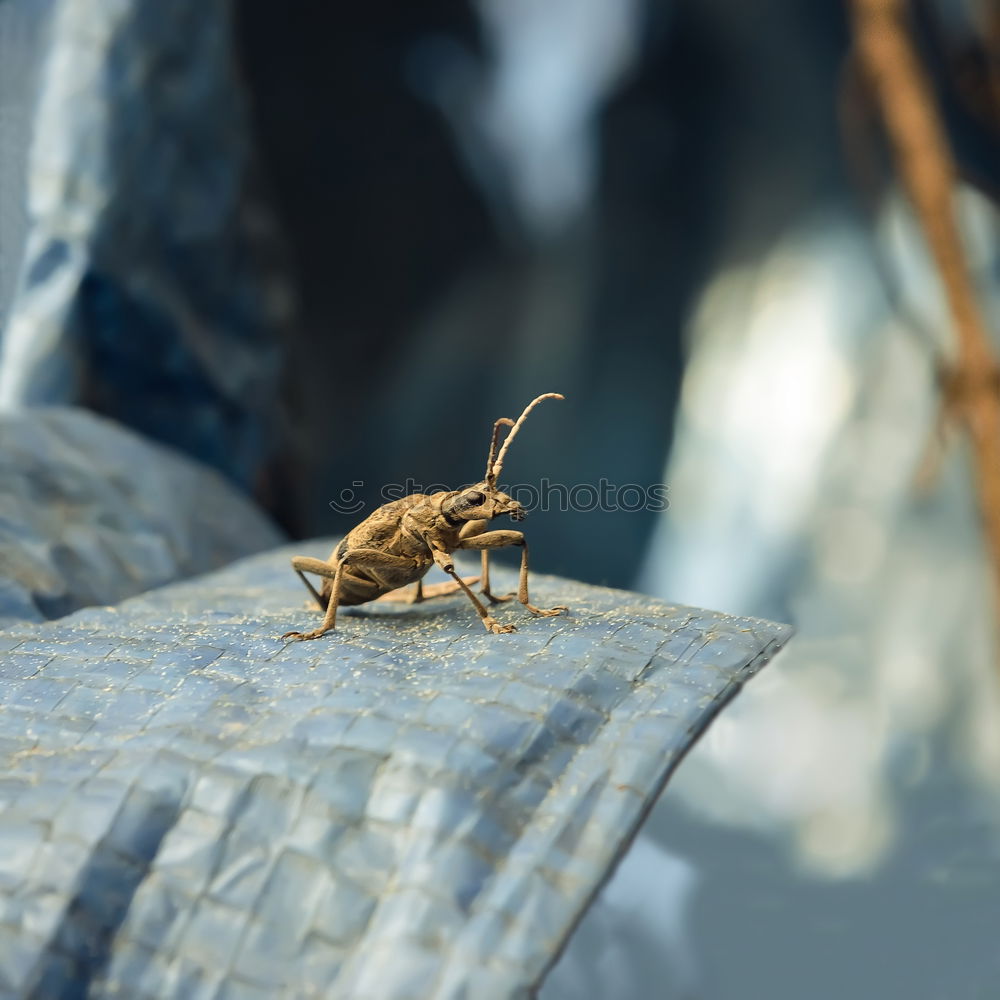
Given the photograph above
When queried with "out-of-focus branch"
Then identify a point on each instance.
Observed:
(925, 164)
(988, 16)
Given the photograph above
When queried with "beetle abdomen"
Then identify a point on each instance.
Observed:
(353, 590)
(358, 591)
(357, 587)
(386, 558)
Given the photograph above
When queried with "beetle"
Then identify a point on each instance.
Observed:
(400, 541)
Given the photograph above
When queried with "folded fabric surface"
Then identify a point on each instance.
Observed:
(151, 281)
(91, 513)
(23, 31)
(406, 807)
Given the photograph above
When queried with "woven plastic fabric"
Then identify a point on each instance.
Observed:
(407, 808)
(90, 514)
(150, 285)
(22, 45)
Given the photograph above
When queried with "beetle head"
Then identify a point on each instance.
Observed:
(481, 502)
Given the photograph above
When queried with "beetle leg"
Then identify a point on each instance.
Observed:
(471, 530)
(368, 560)
(426, 593)
(444, 561)
(330, 618)
(499, 540)
(405, 595)
(485, 589)
(306, 564)
(492, 625)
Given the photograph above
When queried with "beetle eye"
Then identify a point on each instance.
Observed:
(474, 499)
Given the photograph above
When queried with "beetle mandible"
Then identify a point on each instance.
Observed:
(400, 541)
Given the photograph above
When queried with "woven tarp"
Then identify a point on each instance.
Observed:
(409, 807)
(150, 286)
(90, 513)
(23, 26)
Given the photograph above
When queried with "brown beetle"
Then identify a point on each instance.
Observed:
(398, 543)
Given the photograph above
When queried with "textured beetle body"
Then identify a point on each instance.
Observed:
(389, 529)
(399, 542)
(400, 528)
(381, 530)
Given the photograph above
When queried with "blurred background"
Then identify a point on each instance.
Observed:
(322, 250)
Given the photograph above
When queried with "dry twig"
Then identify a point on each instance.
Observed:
(925, 164)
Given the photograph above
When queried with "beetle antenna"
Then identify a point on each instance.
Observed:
(498, 464)
(502, 422)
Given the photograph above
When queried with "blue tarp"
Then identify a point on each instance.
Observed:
(91, 513)
(408, 807)
(151, 269)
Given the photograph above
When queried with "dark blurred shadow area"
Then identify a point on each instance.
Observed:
(488, 202)
(401, 225)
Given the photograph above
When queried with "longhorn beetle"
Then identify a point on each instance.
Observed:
(398, 543)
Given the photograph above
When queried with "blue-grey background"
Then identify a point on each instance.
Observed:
(375, 230)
